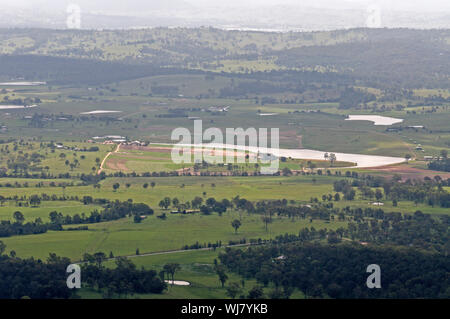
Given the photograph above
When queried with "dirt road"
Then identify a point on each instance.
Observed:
(106, 157)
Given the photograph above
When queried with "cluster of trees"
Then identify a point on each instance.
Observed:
(32, 278)
(268, 209)
(19, 227)
(19, 101)
(211, 205)
(112, 211)
(24, 162)
(123, 280)
(35, 279)
(429, 191)
(417, 230)
(352, 98)
(339, 271)
(369, 225)
(442, 163)
(346, 188)
(206, 207)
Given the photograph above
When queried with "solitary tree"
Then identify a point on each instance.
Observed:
(220, 271)
(233, 290)
(266, 220)
(137, 218)
(196, 202)
(407, 157)
(116, 186)
(165, 203)
(175, 202)
(35, 200)
(18, 216)
(236, 224)
(332, 158)
(256, 293)
(171, 269)
(378, 194)
(99, 258)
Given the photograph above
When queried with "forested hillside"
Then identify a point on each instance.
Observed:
(382, 57)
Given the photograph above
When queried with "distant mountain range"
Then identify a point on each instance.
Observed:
(104, 14)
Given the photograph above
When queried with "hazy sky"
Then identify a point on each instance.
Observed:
(407, 5)
(415, 5)
(260, 14)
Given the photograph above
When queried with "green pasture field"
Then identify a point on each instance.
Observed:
(153, 234)
(123, 237)
(51, 161)
(42, 211)
(300, 188)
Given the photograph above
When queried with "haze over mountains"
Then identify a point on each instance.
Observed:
(279, 15)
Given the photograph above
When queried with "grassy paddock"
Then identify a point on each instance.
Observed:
(123, 237)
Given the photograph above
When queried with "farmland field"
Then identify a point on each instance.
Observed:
(87, 124)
